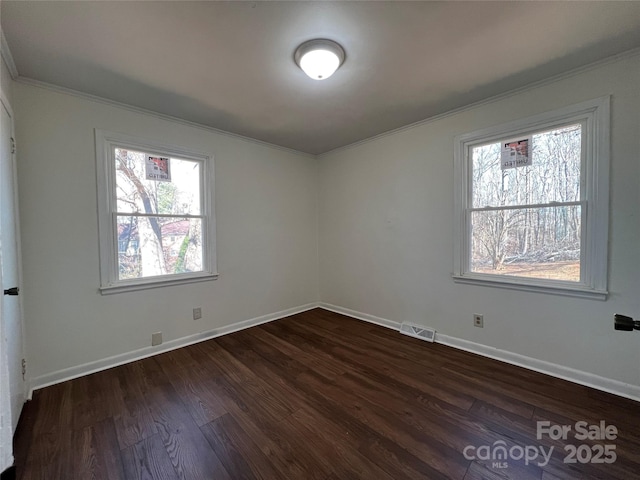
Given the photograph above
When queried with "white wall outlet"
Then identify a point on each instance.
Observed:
(156, 338)
(197, 313)
(478, 320)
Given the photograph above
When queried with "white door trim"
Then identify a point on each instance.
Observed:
(4, 103)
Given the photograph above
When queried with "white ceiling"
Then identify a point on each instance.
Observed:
(229, 65)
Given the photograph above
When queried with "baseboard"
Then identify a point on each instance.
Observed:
(383, 322)
(110, 362)
(587, 379)
(615, 387)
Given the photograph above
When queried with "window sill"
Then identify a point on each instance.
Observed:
(156, 283)
(563, 289)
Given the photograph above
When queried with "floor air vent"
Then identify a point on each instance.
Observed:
(423, 333)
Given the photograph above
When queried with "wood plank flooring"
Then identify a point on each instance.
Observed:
(319, 396)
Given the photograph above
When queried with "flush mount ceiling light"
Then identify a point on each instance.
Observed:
(319, 58)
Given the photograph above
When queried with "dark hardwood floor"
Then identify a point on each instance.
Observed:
(320, 396)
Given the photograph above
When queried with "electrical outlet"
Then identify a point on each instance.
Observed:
(156, 338)
(197, 313)
(478, 320)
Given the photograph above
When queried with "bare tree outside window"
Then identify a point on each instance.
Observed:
(156, 214)
(158, 226)
(527, 221)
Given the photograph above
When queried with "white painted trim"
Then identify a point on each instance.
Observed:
(527, 285)
(580, 377)
(106, 142)
(616, 387)
(144, 111)
(561, 76)
(594, 116)
(155, 282)
(70, 373)
(501, 96)
(556, 78)
(7, 57)
(383, 322)
(4, 100)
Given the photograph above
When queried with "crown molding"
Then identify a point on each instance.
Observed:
(547, 81)
(132, 108)
(7, 57)
(501, 96)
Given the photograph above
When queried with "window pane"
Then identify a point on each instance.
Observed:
(152, 246)
(553, 176)
(533, 242)
(179, 195)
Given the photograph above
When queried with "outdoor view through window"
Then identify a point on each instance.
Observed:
(526, 221)
(159, 215)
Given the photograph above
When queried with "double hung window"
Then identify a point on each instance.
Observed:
(156, 221)
(531, 202)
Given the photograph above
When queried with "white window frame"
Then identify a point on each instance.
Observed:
(594, 115)
(106, 143)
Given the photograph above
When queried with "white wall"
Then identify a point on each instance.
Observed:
(266, 234)
(386, 222)
(380, 215)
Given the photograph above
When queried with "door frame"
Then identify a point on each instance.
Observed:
(4, 103)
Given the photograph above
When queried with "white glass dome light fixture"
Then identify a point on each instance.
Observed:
(319, 58)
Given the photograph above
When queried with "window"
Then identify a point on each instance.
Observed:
(156, 216)
(531, 203)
